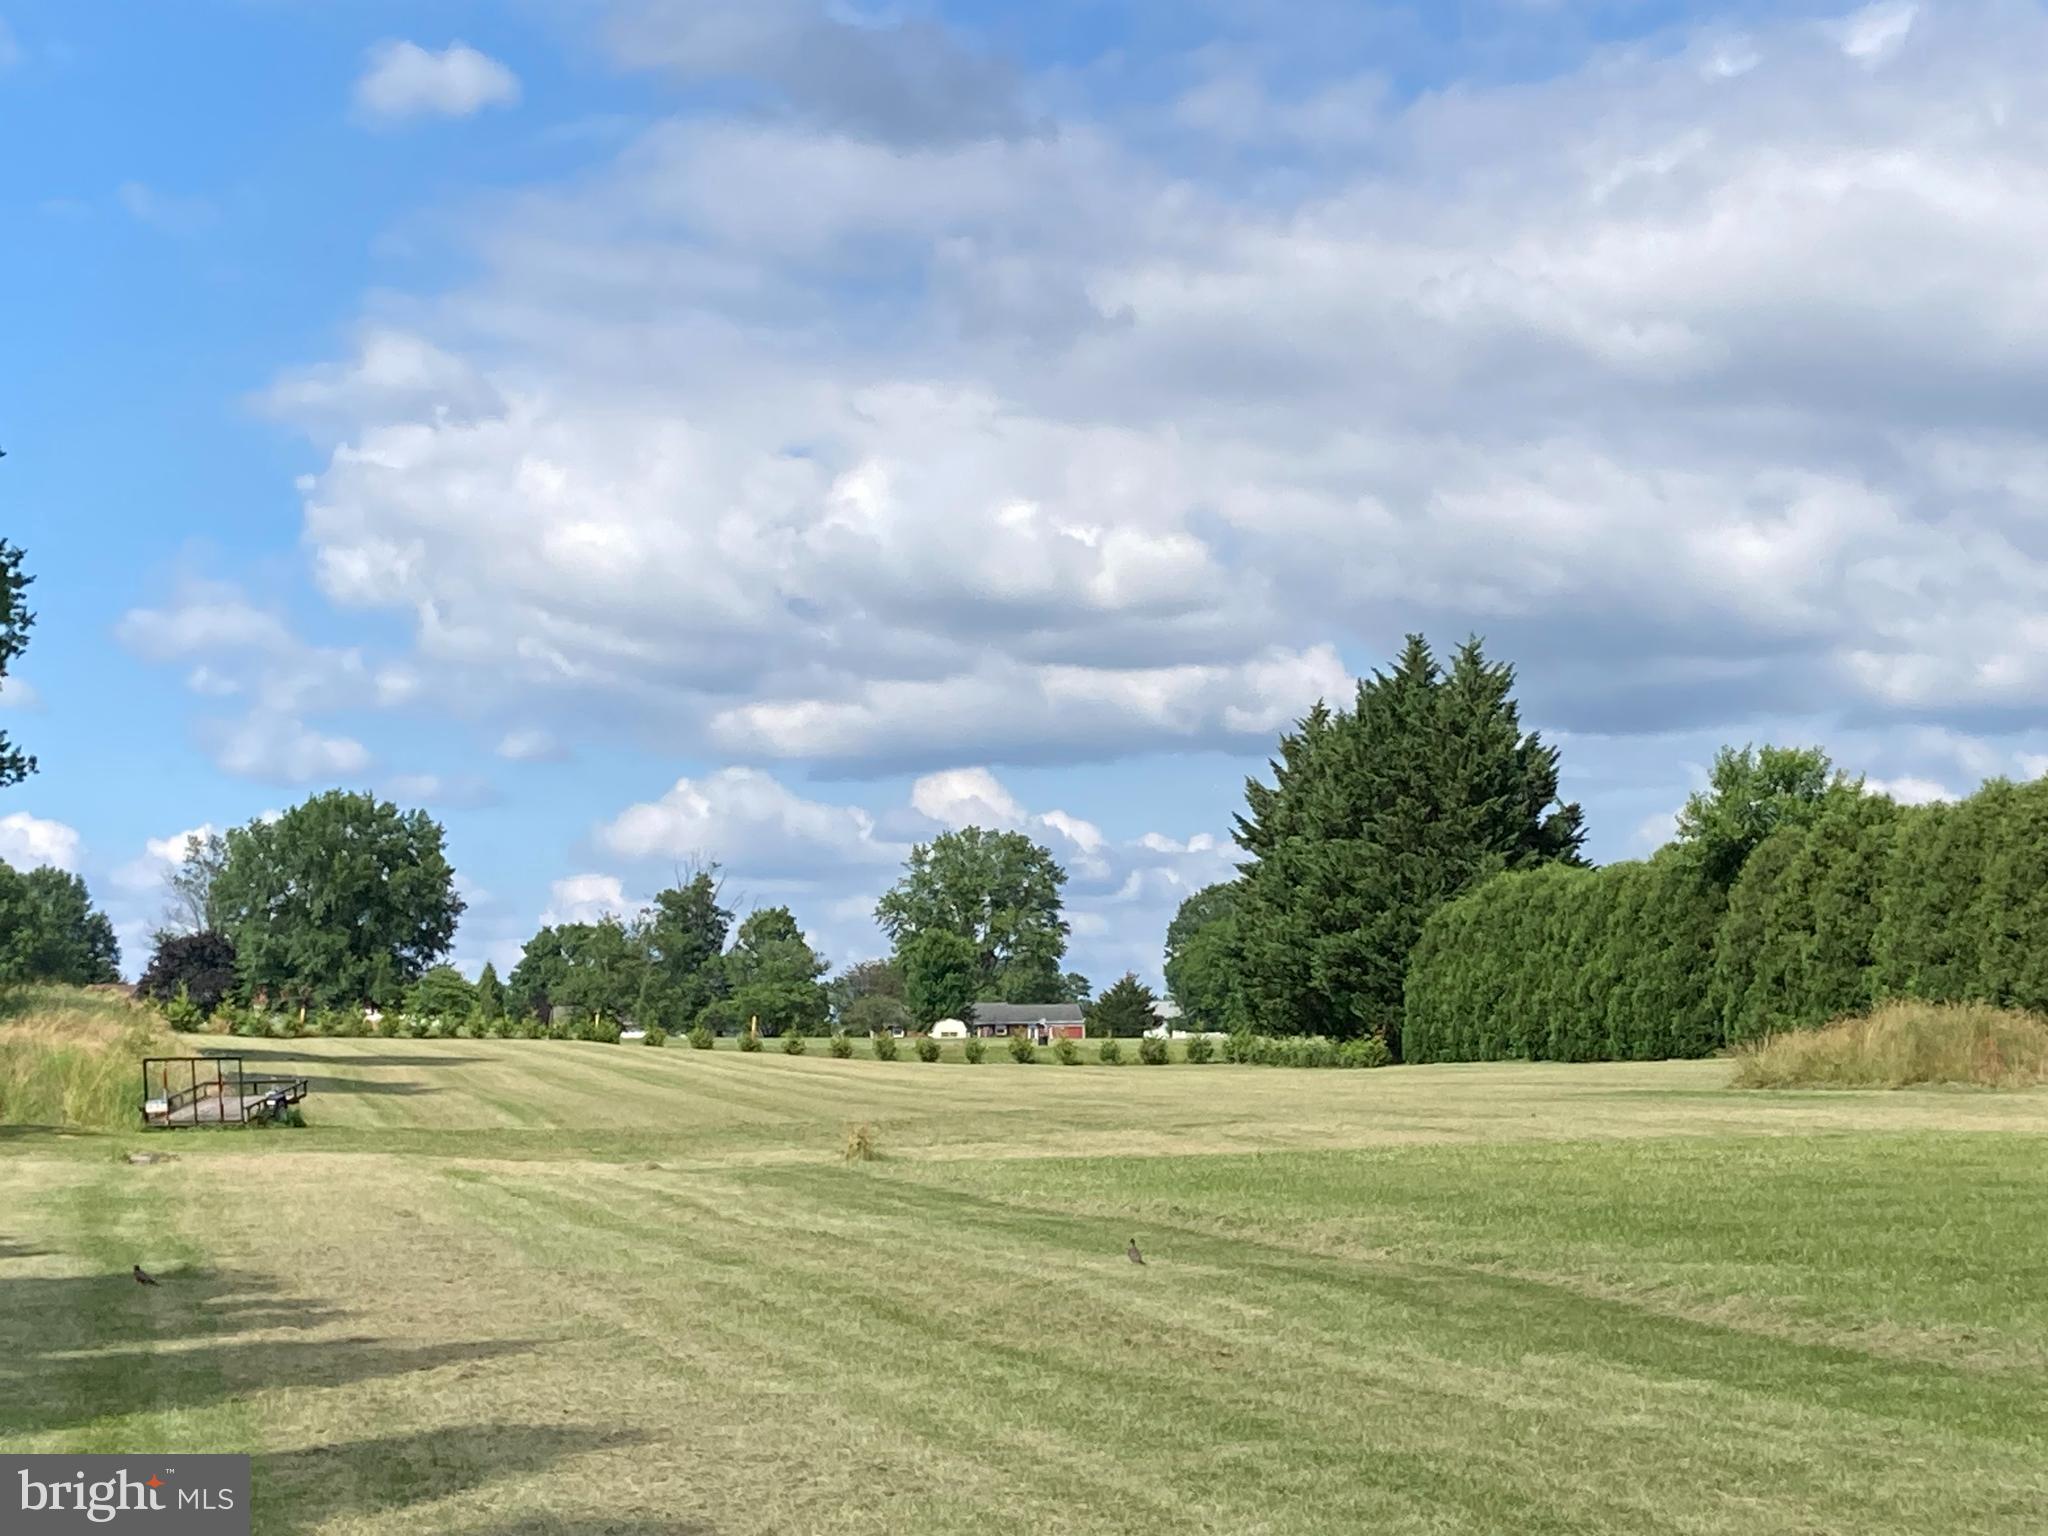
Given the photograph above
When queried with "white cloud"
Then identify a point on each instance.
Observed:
(1874, 33)
(586, 899)
(961, 797)
(10, 48)
(1909, 790)
(404, 80)
(160, 855)
(531, 746)
(747, 818)
(27, 841)
(280, 750)
(19, 693)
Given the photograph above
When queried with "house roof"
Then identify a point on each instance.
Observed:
(1027, 1013)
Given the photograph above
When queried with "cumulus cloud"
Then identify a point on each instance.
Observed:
(1911, 791)
(159, 856)
(243, 650)
(403, 80)
(1707, 416)
(278, 749)
(745, 817)
(19, 693)
(586, 898)
(28, 841)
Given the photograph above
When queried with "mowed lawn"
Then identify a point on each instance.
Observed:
(544, 1287)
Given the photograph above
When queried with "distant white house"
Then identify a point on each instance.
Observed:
(949, 1029)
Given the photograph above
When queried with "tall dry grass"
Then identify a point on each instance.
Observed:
(72, 1058)
(1900, 1044)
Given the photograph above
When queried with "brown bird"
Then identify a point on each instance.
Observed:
(142, 1278)
(1132, 1253)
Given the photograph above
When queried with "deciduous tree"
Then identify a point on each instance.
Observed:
(50, 930)
(998, 891)
(202, 963)
(342, 900)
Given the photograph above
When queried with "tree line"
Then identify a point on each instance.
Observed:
(346, 901)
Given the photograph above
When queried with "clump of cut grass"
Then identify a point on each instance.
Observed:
(1904, 1044)
(860, 1144)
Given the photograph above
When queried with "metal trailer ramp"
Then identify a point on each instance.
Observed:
(212, 1090)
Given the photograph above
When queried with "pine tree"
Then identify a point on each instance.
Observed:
(490, 993)
(1376, 816)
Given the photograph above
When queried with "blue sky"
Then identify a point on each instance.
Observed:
(776, 432)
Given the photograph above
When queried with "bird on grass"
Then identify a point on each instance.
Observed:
(143, 1277)
(1132, 1253)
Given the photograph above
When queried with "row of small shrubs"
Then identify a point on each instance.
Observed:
(1246, 1049)
(345, 1023)
(1243, 1048)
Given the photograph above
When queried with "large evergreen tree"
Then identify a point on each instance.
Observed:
(1376, 816)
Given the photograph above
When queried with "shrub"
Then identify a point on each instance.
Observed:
(1022, 1050)
(750, 1040)
(701, 1039)
(201, 964)
(1200, 1048)
(885, 1046)
(655, 1035)
(1239, 1045)
(860, 1144)
(1109, 1053)
(1902, 1044)
(927, 1048)
(793, 1042)
(1370, 1052)
(602, 1031)
(1066, 1051)
(1152, 1051)
(182, 1014)
(841, 1046)
(976, 1049)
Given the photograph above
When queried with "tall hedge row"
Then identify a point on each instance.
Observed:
(1869, 900)
(1568, 965)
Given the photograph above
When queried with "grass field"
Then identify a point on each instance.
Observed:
(541, 1287)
